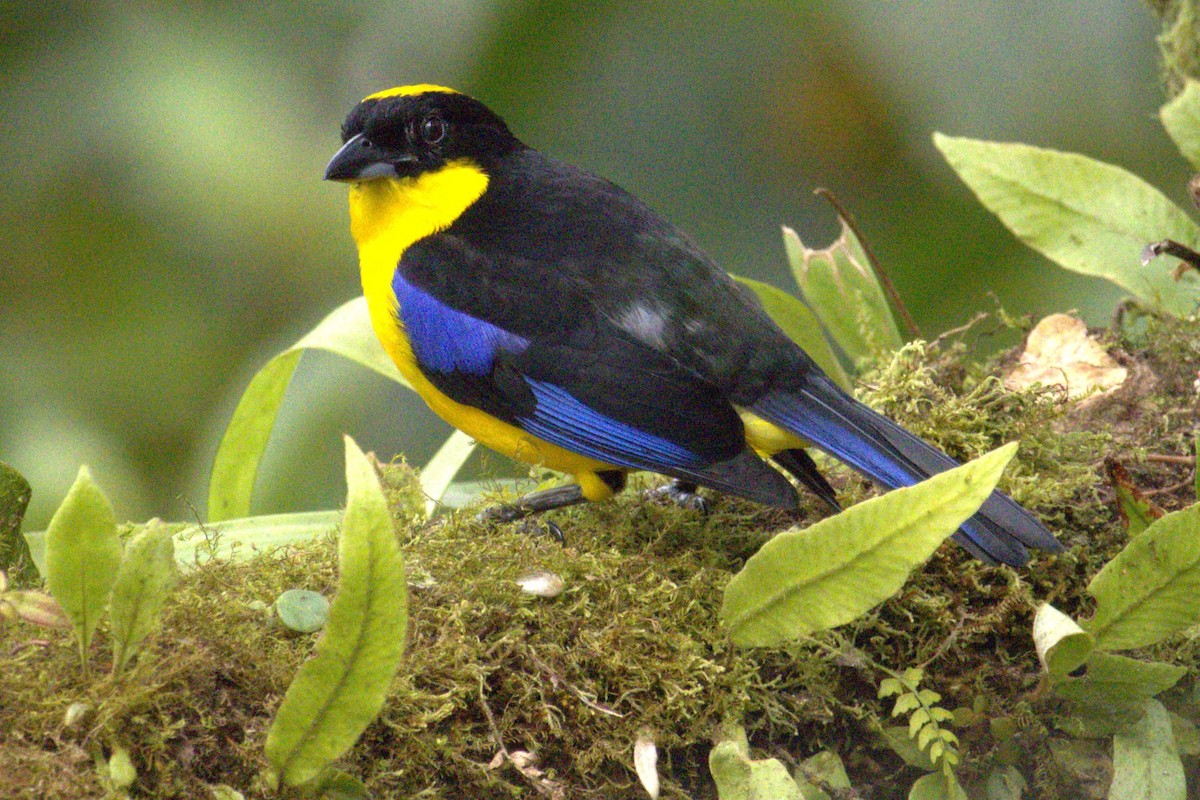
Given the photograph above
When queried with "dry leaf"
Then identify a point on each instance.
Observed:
(1059, 352)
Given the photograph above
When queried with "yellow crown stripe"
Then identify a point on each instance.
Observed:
(405, 91)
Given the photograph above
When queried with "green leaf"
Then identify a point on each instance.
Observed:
(1146, 764)
(144, 581)
(1085, 215)
(739, 777)
(1113, 690)
(250, 537)
(940, 785)
(335, 784)
(1062, 646)
(15, 558)
(1148, 591)
(441, 469)
(801, 325)
(337, 693)
(840, 287)
(83, 553)
(302, 610)
(1005, 783)
(346, 332)
(897, 739)
(121, 770)
(808, 580)
(822, 768)
(1181, 118)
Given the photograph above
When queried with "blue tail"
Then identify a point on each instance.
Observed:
(819, 411)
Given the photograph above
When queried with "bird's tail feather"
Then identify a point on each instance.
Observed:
(819, 411)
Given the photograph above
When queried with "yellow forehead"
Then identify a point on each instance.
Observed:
(405, 91)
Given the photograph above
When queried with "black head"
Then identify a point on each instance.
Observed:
(410, 130)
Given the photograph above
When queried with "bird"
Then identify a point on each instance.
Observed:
(555, 318)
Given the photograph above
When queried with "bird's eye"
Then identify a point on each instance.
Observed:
(433, 129)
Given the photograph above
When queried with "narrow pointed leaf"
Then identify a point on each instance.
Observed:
(801, 325)
(337, 693)
(828, 574)
(144, 582)
(347, 332)
(441, 469)
(1181, 118)
(1146, 763)
(1148, 591)
(840, 287)
(250, 537)
(1085, 215)
(83, 552)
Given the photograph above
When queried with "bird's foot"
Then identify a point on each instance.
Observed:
(681, 493)
(511, 512)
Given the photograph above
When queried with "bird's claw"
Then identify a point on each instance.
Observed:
(501, 513)
(682, 495)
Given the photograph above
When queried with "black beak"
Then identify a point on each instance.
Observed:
(360, 160)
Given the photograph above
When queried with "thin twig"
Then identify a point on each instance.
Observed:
(1164, 458)
(1190, 258)
(554, 676)
(971, 323)
(1168, 489)
(888, 287)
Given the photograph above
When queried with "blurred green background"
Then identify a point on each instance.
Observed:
(166, 229)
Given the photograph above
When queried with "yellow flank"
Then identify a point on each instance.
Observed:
(767, 438)
(405, 91)
(386, 216)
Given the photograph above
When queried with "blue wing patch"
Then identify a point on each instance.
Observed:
(563, 420)
(446, 340)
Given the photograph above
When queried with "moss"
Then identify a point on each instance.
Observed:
(633, 644)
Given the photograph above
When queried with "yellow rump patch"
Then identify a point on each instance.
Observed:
(405, 91)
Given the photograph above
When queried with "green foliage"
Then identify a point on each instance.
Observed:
(337, 693)
(1086, 216)
(1148, 592)
(840, 286)
(83, 554)
(144, 581)
(1181, 118)
(347, 332)
(801, 325)
(15, 559)
(740, 777)
(1061, 644)
(808, 580)
(249, 537)
(1179, 42)
(437, 475)
(1146, 762)
(925, 717)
